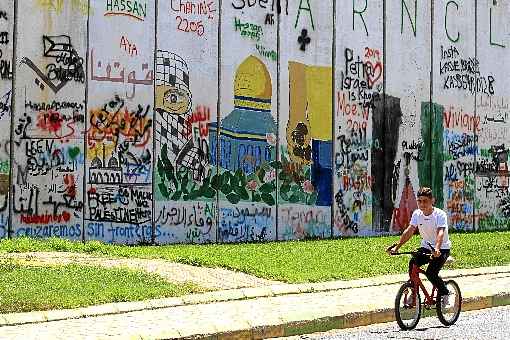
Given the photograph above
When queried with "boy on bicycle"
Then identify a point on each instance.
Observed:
(433, 227)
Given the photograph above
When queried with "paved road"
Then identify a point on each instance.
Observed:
(487, 324)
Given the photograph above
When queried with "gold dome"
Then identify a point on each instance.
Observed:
(253, 80)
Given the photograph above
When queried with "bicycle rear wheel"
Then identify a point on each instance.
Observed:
(449, 313)
(407, 306)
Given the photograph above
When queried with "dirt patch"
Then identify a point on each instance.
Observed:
(209, 278)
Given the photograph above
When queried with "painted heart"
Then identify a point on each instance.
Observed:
(376, 73)
(74, 152)
(66, 216)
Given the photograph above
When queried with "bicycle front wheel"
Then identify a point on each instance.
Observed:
(407, 306)
(448, 310)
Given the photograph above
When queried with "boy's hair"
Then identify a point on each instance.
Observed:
(425, 191)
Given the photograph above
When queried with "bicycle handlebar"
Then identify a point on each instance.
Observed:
(414, 253)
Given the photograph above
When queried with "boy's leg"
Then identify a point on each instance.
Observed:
(433, 269)
(420, 260)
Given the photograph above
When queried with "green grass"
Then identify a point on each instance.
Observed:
(27, 288)
(295, 261)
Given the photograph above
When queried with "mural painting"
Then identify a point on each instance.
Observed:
(186, 180)
(305, 133)
(406, 115)
(247, 129)
(246, 121)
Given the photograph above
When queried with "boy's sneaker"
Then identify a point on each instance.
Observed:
(446, 301)
(408, 301)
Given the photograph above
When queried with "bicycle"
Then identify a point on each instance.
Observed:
(408, 304)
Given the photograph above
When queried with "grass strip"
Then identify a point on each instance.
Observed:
(28, 288)
(294, 261)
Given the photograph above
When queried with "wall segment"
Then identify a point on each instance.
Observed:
(176, 121)
(6, 95)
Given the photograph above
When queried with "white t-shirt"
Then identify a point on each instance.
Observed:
(428, 225)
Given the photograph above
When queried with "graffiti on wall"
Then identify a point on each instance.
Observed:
(186, 182)
(245, 135)
(58, 6)
(458, 78)
(358, 107)
(247, 152)
(238, 142)
(119, 137)
(305, 143)
(49, 123)
(65, 66)
(305, 181)
(182, 145)
(6, 70)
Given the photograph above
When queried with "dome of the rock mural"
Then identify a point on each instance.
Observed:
(252, 100)
(250, 123)
(252, 85)
(243, 132)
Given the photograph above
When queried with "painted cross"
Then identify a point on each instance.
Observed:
(304, 39)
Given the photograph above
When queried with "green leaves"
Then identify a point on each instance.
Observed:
(241, 191)
(268, 199)
(285, 188)
(178, 183)
(240, 178)
(161, 169)
(284, 196)
(177, 196)
(166, 172)
(164, 157)
(294, 198)
(163, 190)
(261, 174)
(184, 182)
(256, 197)
(292, 178)
(216, 182)
(233, 198)
(276, 164)
(267, 188)
(312, 198)
(236, 187)
(225, 189)
(208, 192)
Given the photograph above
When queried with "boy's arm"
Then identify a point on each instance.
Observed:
(406, 235)
(442, 224)
(439, 242)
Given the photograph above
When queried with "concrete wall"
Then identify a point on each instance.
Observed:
(119, 133)
(49, 119)
(305, 184)
(6, 76)
(187, 48)
(177, 121)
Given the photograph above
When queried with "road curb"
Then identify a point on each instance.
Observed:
(350, 320)
(16, 319)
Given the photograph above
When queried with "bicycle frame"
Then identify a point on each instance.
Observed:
(415, 279)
